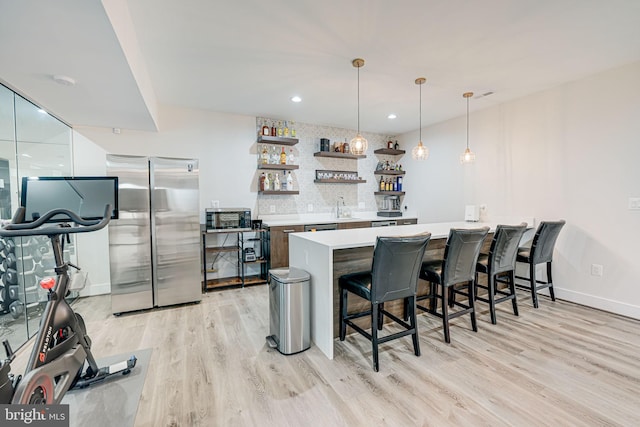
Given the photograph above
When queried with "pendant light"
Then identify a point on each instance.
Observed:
(359, 144)
(467, 156)
(420, 152)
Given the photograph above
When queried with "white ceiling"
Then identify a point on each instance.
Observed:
(249, 57)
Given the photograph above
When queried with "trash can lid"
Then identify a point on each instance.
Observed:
(289, 275)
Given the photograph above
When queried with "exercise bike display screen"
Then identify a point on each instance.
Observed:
(83, 195)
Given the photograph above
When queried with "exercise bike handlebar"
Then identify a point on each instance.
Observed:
(19, 229)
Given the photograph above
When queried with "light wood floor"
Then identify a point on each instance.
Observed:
(559, 365)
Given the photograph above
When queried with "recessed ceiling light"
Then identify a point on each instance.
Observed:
(64, 80)
(296, 98)
(391, 116)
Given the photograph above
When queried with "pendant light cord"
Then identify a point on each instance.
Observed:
(420, 112)
(358, 100)
(467, 123)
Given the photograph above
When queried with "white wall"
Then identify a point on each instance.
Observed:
(225, 144)
(570, 152)
(92, 248)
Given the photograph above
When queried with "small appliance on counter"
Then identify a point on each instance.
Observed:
(390, 207)
(228, 218)
(472, 213)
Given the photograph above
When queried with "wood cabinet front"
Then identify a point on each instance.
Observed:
(356, 224)
(279, 244)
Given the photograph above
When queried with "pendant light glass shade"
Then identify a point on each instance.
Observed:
(358, 145)
(420, 152)
(467, 156)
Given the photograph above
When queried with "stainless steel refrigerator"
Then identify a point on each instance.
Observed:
(154, 246)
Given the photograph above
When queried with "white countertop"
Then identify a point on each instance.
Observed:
(359, 237)
(328, 218)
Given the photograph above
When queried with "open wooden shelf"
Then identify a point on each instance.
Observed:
(389, 151)
(277, 166)
(222, 248)
(277, 193)
(391, 172)
(277, 140)
(389, 193)
(339, 155)
(223, 282)
(254, 280)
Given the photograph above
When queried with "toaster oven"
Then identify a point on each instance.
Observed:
(228, 218)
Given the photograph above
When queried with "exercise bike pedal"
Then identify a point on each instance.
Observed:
(103, 373)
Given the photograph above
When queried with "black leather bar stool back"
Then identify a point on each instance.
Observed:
(458, 267)
(499, 265)
(540, 252)
(394, 275)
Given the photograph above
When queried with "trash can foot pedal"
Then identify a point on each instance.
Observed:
(271, 341)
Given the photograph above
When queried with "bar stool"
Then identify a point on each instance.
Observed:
(394, 275)
(540, 252)
(458, 267)
(500, 262)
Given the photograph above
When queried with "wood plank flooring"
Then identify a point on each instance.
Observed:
(559, 365)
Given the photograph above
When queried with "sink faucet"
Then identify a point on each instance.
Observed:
(338, 207)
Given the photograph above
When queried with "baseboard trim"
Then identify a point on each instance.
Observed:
(605, 304)
(96, 289)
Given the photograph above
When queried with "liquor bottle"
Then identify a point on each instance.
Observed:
(267, 182)
(290, 158)
(280, 131)
(289, 181)
(396, 146)
(275, 157)
(273, 129)
(283, 157)
(276, 182)
(263, 177)
(265, 129)
(382, 185)
(395, 185)
(286, 130)
(264, 159)
(400, 183)
(389, 184)
(293, 129)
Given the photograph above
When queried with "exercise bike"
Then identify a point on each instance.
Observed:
(62, 345)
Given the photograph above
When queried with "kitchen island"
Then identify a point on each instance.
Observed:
(329, 254)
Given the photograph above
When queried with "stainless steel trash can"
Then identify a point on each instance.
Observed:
(289, 310)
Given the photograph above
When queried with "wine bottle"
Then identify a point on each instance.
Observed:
(293, 129)
(267, 182)
(261, 182)
(289, 182)
(273, 129)
(276, 182)
(286, 130)
(382, 184)
(283, 157)
(280, 131)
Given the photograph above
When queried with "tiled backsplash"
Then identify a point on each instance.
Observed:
(321, 196)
